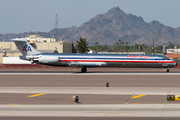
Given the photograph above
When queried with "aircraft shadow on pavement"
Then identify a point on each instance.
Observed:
(78, 72)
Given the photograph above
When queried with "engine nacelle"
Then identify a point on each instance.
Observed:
(48, 59)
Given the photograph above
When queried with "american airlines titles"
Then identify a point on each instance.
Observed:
(135, 56)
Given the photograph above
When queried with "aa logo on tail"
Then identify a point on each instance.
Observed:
(26, 48)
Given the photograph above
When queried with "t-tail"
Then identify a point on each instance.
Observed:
(24, 47)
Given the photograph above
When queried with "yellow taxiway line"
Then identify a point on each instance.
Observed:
(37, 95)
(137, 96)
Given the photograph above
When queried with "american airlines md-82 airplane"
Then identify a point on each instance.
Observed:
(84, 61)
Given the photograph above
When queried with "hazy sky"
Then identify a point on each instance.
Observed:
(17, 16)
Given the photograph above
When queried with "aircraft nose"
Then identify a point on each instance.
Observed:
(175, 64)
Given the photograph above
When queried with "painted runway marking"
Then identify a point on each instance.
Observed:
(137, 96)
(37, 95)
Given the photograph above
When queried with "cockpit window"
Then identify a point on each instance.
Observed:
(166, 58)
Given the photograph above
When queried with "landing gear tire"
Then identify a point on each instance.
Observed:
(83, 70)
(32, 62)
(167, 70)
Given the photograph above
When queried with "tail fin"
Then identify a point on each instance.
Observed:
(24, 47)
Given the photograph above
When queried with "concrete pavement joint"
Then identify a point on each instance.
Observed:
(163, 110)
(131, 91)
(103, 110)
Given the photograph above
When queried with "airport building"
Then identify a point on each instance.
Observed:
(173, 53)
(8, 50)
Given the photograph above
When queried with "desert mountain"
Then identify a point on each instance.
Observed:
(111, 26)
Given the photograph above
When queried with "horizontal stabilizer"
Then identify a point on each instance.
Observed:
(19, 40)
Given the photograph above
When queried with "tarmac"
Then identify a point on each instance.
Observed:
(94, 90)
(89, 80)
(88, 118)
(103, 110)
(47, 93)
(84, 99)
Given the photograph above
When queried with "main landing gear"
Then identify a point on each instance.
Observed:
(83, 70)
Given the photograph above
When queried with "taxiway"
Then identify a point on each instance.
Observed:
(51, 92)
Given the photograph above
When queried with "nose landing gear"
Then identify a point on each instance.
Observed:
(83, 70)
